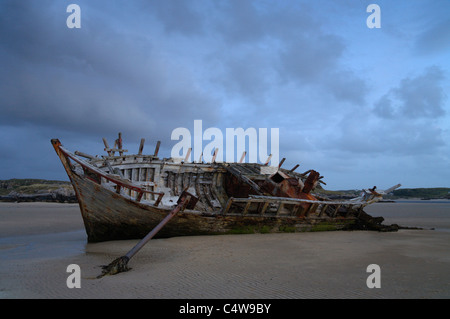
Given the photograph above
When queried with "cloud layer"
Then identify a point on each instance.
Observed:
(341, 94)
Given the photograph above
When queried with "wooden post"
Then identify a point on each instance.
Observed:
(84, 155)
(159, 199)
(268, 160)
(247, 206)
(227, 206)
(281, 162)
(105, 142)
(296, 209)
(119, 144)
(294, 168)
(183, 201)
(336, 210)
(280, 207)
(111, 169)
(141, 147)
(158, 144)
(263, 211)
(188, 154)
(243, 156)
(310, 209)
(323, 210)
(214, 156)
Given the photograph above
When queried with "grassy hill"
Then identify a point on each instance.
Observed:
(31, 186)
(406, 193)
(423, 193)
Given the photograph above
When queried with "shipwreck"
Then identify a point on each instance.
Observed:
(126, 196)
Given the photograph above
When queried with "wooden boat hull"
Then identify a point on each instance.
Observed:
(231, 199)
(109, 216)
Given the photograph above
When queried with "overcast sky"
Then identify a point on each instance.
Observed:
(362, 106)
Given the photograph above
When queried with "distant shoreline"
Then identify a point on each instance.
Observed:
(36, 190)
(42, 190)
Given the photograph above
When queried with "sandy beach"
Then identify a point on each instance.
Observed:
(39, 240)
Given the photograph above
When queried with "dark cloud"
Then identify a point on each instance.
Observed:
(417, 97)
(179, 17)
(346, 86)
(434, 39)
(147, 67)
(405, 121)
(92, 79)
(247, 75)
(360, 137)
(309, 57)
(267, 47)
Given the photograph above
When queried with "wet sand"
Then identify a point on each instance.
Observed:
(39, 240)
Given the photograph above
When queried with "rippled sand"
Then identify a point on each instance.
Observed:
(39, 240)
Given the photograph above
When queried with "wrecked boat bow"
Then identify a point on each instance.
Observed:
(126, 196)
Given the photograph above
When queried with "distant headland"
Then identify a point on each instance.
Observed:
(36, 190)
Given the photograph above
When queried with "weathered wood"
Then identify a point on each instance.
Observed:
(296, 210)
(264, 208)
(107, 149)
(112, 170)
(227, 206)
(141, 146)
(158, 144)
(214, 156)
(113, 150)
(280, 207)
(247, 206)
(387, 191)
(323, 209)
(244, 179)
(310, 209)
(242, 157)
(268, 160)
(99, 173)
(84, 155)
(292, 200)
(336, 210)
(186, 159)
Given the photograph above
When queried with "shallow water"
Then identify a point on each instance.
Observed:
(426, 214)
(43, 246)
